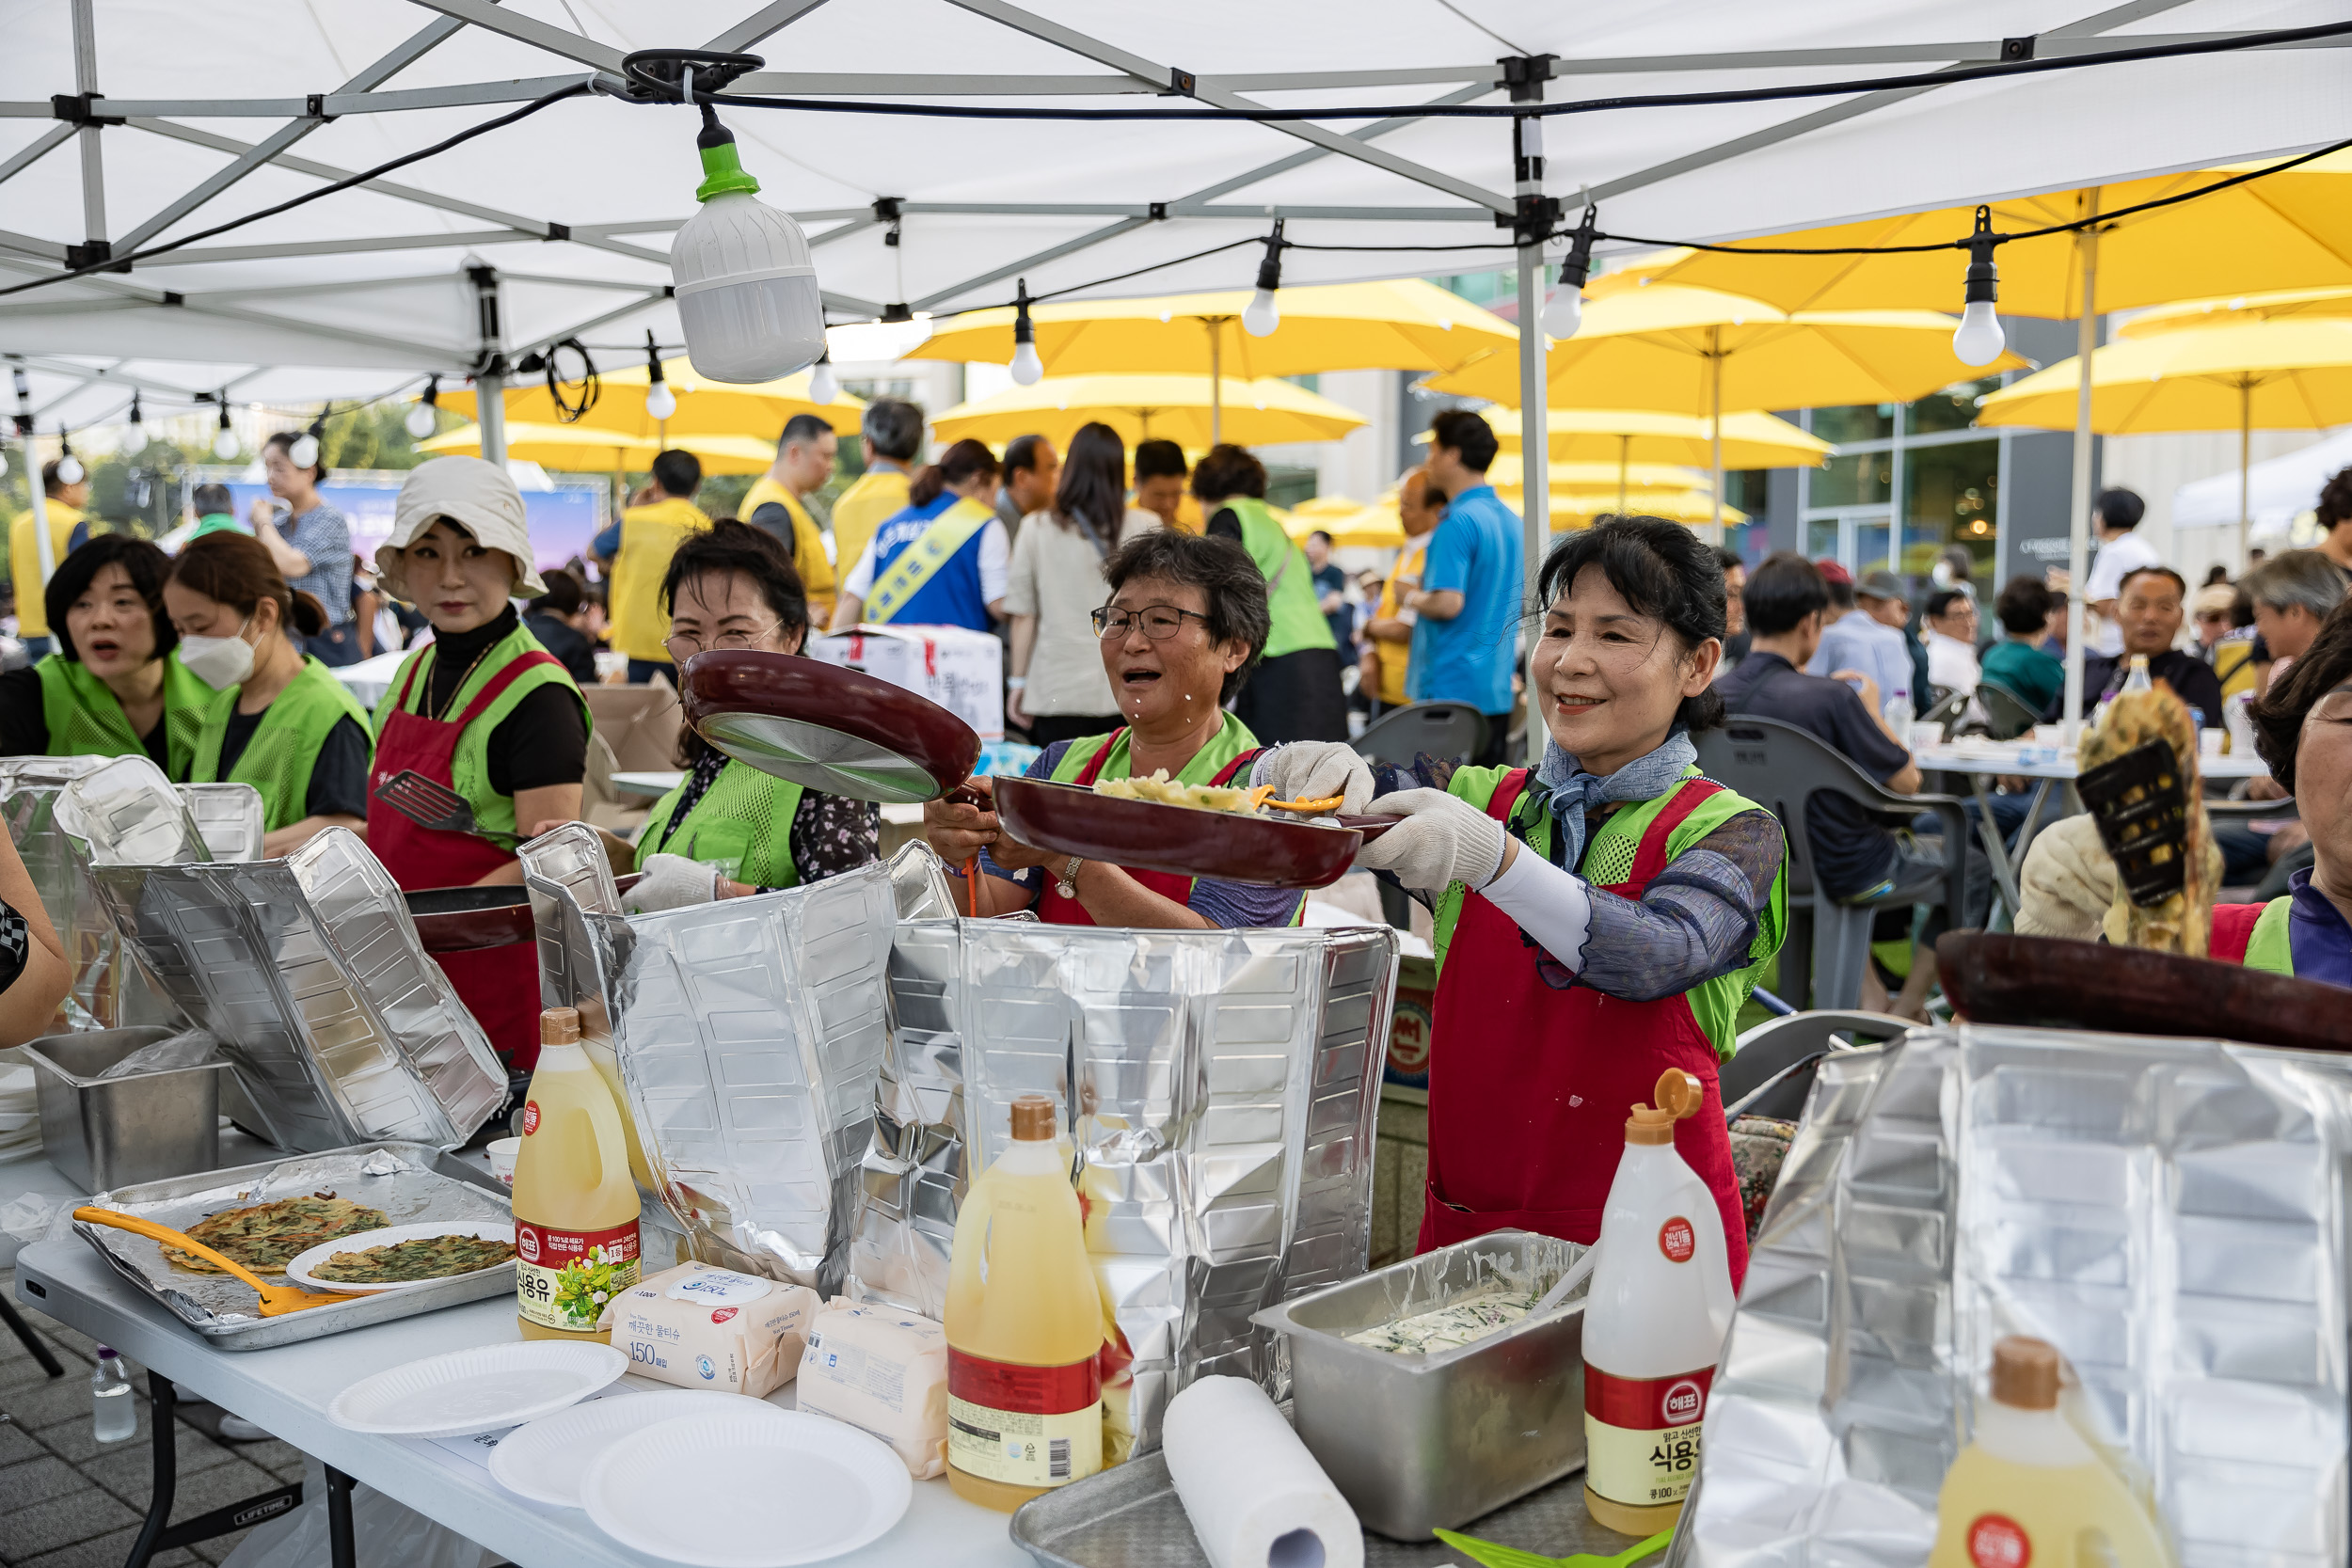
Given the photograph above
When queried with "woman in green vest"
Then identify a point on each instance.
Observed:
(280, 720)
(112, 689)
(728, 830)
(1295, 693)
(1600, 919)
(2303, 729)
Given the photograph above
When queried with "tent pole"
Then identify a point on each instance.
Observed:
(1534, 410)
(2078, 523)
(2245, 469)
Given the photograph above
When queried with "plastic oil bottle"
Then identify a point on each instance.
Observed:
(2028, 1490)
(575, 1201)
(1654, 1324)
(1025, 1327)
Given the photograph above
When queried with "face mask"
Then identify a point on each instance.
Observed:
(219, 662)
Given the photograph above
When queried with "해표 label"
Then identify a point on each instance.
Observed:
(562, 1278)
(1997, 1541)
(1025, 1426)
(1641, 1434)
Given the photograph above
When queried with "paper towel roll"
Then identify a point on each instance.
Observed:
(1255, 1495)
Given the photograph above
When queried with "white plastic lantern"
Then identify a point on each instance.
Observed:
(747, 293)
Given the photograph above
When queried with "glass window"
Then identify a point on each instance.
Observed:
(1821, 538)
(1861, 479)
(1953, 408)
(1951, 498)
(1864, 421)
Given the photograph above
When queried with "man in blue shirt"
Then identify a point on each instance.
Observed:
(1466, 644)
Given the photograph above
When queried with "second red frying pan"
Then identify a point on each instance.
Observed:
(1184, 841)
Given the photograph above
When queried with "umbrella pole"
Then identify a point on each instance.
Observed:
(1625, 461)
(1715, 422)
(2078, 523)
(2244, 470)
(1217, 385)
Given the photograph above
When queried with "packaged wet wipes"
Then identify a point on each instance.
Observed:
(885, 1372)
(701, 1326)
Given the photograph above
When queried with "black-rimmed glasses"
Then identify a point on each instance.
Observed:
(1160, 622)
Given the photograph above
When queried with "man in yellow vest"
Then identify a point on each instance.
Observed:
(804, 458)
(892, 438)
(635, 552)
(68, 529)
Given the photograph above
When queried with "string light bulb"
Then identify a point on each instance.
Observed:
(1027, 368)
(1978, 338)
(70, 469)
(1263, 315)
(225, 444)
(660, 401)
(823, 384)
(303, 451)
(424, 414)
(1564, 313)
(745, 282)
(135, 440)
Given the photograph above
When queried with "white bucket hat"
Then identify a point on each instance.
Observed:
(476, 495)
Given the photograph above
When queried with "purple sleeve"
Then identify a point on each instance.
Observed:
(1233, 905)
(1032, 879)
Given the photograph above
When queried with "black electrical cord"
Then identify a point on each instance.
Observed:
(1947, 77)
(569, 410)
(117, 263)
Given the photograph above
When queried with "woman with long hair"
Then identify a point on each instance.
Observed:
(280, 720)
(1058, 690)
(942, 560)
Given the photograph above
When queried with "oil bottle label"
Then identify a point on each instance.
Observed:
(562, 1278)
(1641, 1434)
(1025, 1426)
(1997, 1541)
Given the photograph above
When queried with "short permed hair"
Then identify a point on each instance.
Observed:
(1229, 580)
(1229, 471)
(2023, 606)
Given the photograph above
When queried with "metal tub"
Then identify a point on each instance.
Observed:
(111, 1131)
(1422, 1443)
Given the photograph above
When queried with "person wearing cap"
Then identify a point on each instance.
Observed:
(1855, 642)
(65, 490)
(481, 711)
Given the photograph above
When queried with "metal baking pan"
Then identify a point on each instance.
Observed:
(1129, 1516)
(114, 1131)
(429, 1185)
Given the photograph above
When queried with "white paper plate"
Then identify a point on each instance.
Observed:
(545, 1460)
(477, 1390)
(746, 1489)
(298, 1270)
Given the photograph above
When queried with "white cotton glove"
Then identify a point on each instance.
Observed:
(1442, 838)
(1316, 770)
(672, 883)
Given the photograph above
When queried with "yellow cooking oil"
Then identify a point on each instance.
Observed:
(598, 1042)
(575, 1201)
(1025, 1327)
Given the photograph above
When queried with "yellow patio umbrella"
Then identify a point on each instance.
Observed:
(1750, 440)
(1699, 351)
(1178, 408)
(2293, 373)
(1405, 324)
(2284, 305)
(1578, 507)
(1350, 523)
(705, 407)
(575, 450)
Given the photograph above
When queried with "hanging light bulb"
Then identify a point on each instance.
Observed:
(660, 401)
(70, 469)
(823, 386)
(1027, 368)
(135, 440)
(424, 414)
(303, 451)
(1978, 340)
(1564, 313)
(746, 286)
(1263, 315)
(225, 444)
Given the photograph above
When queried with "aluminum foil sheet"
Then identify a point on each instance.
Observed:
(2171, 1214)
(128, 812)
(748, 1035)
(309, 968)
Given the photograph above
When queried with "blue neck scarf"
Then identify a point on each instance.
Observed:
(1569, 790)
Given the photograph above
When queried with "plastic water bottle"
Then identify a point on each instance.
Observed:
(1899, 711)
(114, 1407)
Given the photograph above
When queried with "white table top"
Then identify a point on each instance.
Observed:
(287, 1390)
(652, 780)
(369, 679)
(1989, 757)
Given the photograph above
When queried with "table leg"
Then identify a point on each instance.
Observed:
(2004, 877)
(341, 1550)
(162, 1432)
(31, 1342)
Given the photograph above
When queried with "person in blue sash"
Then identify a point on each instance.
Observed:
(942, 561)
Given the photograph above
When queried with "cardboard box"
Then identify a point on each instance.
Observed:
(962, 671)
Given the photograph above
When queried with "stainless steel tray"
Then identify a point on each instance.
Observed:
(430, 1185)
(1129, 1516)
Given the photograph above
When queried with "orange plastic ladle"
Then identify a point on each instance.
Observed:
(276, 1300)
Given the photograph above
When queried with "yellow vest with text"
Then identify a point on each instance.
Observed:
(650, 535)
(879, 495)
(32, 610)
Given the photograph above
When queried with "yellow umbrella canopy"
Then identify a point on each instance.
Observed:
(572, 449)
(1149, 407)
(1750, 440)
(2290, 231)
(2237, 310)
(1350, 523)
(705, 407)
(1577, 508)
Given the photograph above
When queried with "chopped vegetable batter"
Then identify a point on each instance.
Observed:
(1167, 792)
(1448, 1327)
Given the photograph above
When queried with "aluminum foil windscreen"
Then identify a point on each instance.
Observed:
(2171, 1214)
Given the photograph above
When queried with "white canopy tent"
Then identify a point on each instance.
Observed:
(557, 225)
(2277, 493)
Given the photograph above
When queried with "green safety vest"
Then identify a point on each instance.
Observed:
(1289, 582)
(277, 759)
(1609, 859)
(1231, 739)
(85, 719)
(2268, 947)
(741, 827)
(470, 769)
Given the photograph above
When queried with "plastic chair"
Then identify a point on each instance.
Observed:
(2007, 715)
(1780, 768)
(1946, 710)
(1451, 731)
(1771, 1068)
(2243, 813)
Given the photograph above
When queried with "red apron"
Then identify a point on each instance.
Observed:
(1056, 910)
(1529, 1087)
(500, 985)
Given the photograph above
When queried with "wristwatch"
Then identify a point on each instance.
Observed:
(1067, 884)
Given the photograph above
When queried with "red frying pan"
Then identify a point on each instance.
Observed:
(460, 919)
(849, 733)
(2043, 982)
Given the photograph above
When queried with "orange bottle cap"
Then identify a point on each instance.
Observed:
(2026, 1374)
(559, 1027)
(1033, 1119)
(1678, 1094)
